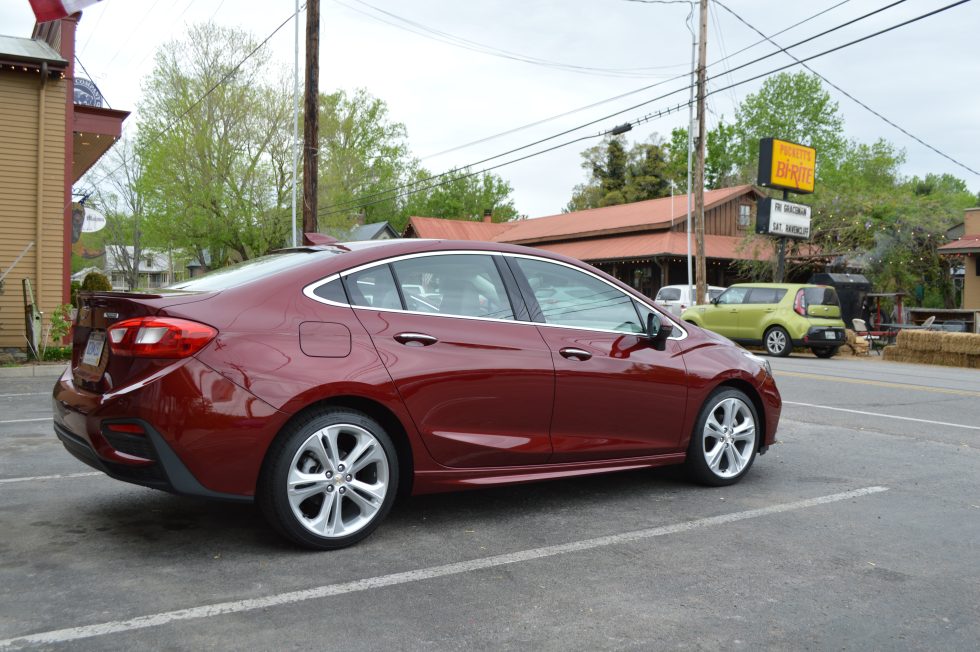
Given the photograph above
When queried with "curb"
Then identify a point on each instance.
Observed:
(34, 371)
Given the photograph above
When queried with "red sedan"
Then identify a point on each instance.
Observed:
(322, 381)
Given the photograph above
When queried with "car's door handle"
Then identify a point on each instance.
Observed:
(415, 339)
(574, 354)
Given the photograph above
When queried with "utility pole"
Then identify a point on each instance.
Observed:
(311, 117)
(700, 271)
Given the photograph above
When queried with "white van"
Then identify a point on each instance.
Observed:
(678, 298)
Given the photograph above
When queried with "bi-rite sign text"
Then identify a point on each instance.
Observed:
(787, 166)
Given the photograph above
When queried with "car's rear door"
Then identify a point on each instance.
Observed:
(478, 383)
(757, 310)
(615, 396)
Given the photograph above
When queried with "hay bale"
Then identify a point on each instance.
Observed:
(968, 343)
(921, 340)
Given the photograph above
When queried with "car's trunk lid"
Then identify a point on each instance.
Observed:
(94, 368)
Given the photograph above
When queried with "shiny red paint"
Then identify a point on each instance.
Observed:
(491, 402)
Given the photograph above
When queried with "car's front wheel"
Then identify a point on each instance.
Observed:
(724, 440)
(777, 342)
(329, 479)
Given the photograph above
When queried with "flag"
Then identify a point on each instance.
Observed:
(45, 10)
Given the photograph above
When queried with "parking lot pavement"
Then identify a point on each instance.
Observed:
(839, 538)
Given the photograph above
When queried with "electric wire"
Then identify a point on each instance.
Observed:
(92, 79)
(387, 196)
(848, 95)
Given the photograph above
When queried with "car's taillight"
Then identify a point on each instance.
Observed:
(159, 337)
(799, 304)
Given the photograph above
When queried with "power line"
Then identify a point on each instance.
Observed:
(400, 22)
(92, 79)
(623, 95)
(387, 196)
(848, 95)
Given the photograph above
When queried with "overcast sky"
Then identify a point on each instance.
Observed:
(922, 76)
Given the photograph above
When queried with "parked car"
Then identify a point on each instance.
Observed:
(308, 381)
(677, 298)
(778, 316)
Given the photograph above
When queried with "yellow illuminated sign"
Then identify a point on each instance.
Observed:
(787, 166)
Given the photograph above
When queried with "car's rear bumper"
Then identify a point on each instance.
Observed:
(822, 336)
(189, 431)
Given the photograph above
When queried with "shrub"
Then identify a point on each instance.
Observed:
(96, 282)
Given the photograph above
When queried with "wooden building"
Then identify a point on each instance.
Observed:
(643, 244)
(47, 142)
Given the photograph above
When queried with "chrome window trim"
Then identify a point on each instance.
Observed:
(310, 289)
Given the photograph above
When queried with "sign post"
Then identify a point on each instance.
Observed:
(789, 167)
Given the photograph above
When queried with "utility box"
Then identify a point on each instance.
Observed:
(851, 290)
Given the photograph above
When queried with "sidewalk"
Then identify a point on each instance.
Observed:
(34, 371)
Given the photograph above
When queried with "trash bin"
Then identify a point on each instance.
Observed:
(851, 290)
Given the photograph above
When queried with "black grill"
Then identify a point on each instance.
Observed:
(138, 445)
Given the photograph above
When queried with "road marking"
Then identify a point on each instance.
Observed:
(329, 590)
(877, 383)
(27, 394)
(25, 420)
(49, 477)
(886, 416)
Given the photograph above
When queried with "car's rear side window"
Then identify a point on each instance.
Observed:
(765, 295)
(466, 285)
(823, 296)
(373, 288)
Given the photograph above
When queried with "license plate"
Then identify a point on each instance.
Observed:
(93, 349)
(830, 335)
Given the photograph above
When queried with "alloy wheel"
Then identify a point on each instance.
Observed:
(338, 480)
(728, 441)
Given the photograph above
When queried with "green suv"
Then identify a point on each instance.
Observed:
(777, 316)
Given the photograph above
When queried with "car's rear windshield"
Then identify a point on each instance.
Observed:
(244, 272)
(669, 294)
(823, 296)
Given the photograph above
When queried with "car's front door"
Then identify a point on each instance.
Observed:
(478, 384)
(723, 315)
(615, 396)
(756, 310)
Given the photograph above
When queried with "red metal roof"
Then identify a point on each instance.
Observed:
(662, 243)
(968, 244)
(437, 228)
(624, 218)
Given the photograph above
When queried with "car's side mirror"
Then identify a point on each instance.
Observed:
(658, 330)
(714, 300)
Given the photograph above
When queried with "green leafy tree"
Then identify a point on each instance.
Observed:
(793, 107)
(723, 164)
(459, 195)
(211, 130)
(362, 154)
(621, 176)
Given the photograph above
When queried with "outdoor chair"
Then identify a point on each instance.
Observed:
(876, 339)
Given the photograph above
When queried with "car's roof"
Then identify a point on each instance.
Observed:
(779, 286)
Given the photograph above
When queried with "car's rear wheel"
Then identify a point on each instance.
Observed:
(777, 342)
(725, 439)
(329, 479)
(824, 351)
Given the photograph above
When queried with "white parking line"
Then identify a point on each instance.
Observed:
(25, 420)
(329, 590)
(27, 394)
(886, 416)
(50, 477)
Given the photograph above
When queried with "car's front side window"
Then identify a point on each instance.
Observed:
(466, 285)
(733, 296)
(568, 297)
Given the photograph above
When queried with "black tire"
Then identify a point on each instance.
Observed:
(699, 450)
(341, 493)
(777, 342)
(824, 351)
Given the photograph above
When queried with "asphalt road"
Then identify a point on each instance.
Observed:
(857, 531)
